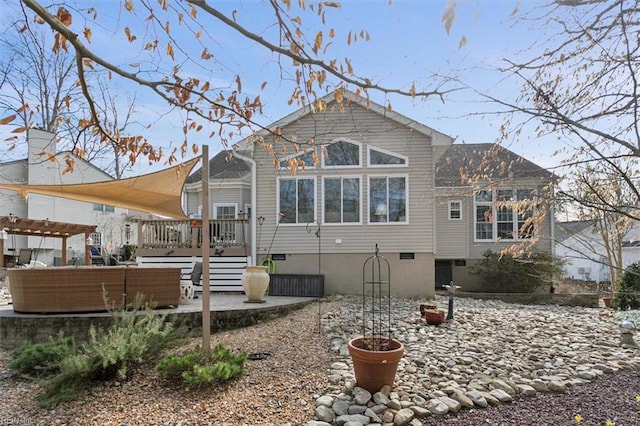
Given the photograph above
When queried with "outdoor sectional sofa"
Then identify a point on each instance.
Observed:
(82, 288)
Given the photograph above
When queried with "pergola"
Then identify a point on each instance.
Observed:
(13, 225)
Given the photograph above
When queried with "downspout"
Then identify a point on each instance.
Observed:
(254, 197)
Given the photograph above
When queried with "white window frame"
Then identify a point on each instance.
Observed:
(495, 205)
(315, 199)
(216, 205)
(341, 177)
(227, 231)
(295, 155)
(387, 152)
(459, 209)
(102, 208)
(406, 199)
(346, 166)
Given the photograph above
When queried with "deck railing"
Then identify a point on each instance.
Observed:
(161, 233)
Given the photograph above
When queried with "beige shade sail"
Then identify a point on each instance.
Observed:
(157, 193)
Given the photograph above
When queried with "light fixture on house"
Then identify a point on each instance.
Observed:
(13, 219)
(46, 223)
(89, 241)
(3, 234)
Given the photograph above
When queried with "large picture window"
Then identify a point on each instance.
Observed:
(342, 200)
(388, 199)
(508, 218)
(296, 197)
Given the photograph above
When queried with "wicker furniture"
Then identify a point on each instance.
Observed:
(158, 285)
(80, 289)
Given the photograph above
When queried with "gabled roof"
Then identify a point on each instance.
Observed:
(564, 230)
(462, 164)
(224, 165)
(348, 97)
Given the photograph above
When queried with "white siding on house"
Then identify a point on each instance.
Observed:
(39, 170)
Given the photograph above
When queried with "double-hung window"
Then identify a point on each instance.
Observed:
(342, 199)
(388, 199)
(503, 214)
(455, 210)
(484, 215)
(296, 200)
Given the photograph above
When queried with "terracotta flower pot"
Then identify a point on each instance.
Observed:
(255, 281)
(434, 316)
(375, 369)
(426, 307)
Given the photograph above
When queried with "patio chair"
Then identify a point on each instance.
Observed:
(196, 277)
(24, 257)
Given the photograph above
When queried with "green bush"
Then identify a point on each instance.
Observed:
(133, 336)
(503, 273)
(626, 296)
(201, 367)
(41, 359)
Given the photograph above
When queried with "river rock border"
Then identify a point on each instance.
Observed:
(489, 354)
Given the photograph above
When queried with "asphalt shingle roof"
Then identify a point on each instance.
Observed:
(464, 163)
(224, 165)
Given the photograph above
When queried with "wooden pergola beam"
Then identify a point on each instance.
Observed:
(45, 228)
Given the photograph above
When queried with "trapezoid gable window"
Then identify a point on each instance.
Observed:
(296, 200)
(342, 153)
(301, 160)
(378, 157)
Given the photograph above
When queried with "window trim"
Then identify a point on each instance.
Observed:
(385, 151)
(300, 153)
(406, 198)
(216, 205)
(341, 177)
(495, 205)
(347, 140)
(459, 209)
(315, 199)
(103, 208)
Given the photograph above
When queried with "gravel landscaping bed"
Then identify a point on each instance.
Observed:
(294, 366)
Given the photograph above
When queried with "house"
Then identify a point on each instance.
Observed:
(580, 244)
(229, 188)
(487, 198)
(39, 168)
(333, 184)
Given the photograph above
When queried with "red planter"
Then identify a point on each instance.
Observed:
(434, 316)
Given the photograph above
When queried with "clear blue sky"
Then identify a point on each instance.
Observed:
(408, 42)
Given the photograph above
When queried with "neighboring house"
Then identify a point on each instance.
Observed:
(366, 178)
(229, 195)
(229, 187)
(581, 246)
(471, 182)
(38, 169)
